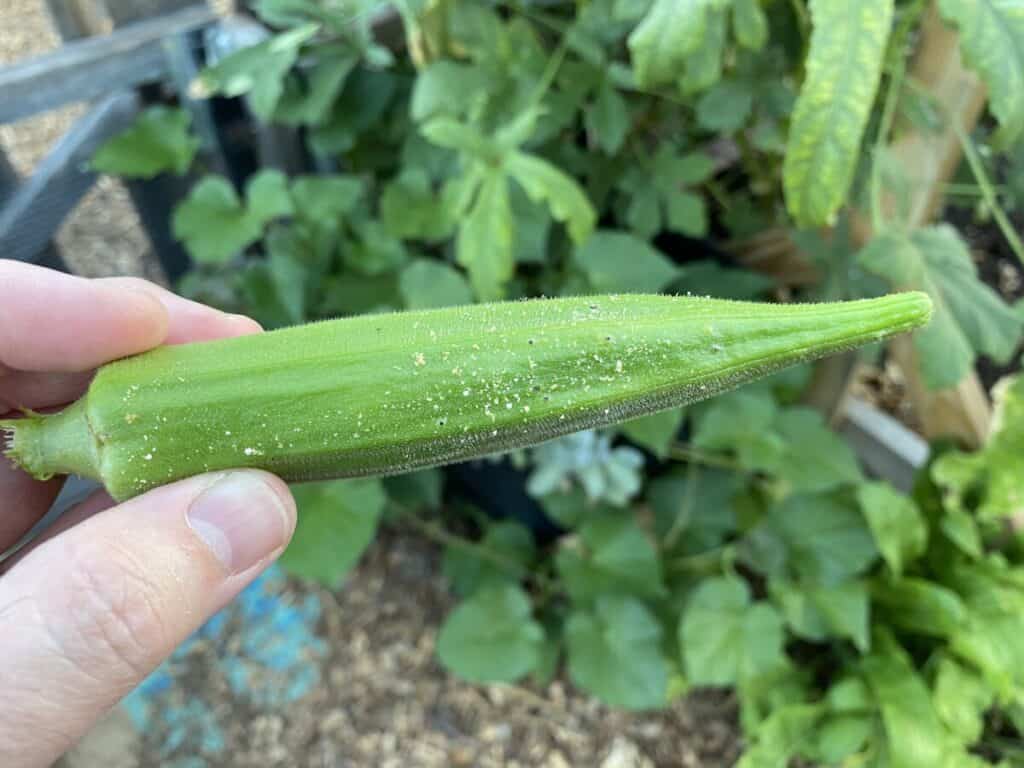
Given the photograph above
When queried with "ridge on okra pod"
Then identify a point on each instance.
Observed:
(384, 394)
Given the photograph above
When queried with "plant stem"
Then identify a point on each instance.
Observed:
(988, 192)
(684, 452)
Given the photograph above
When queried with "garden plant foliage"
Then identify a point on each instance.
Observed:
(514, 148)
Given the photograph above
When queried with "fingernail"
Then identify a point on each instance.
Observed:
(241, 519)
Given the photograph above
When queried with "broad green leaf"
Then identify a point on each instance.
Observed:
(619, 262)
(258, 71)
(840, 736)
(704, 66)
(821, 538)
(992, 478)
(671, 30)
(453, 134)
(815, 458)
(726, 638)
(447, 88)
(915, 736)
(818, 613)
(375, 251)
(324, 200)
(337, 522)
(358, 110)
(726, 107)
(160, 140)
(267, 196)
(565, 198)
(898, 526)
(844, 66)
(750, 24)
(427, 283)
(741, 422)
(491, 637)
(961, 699)
(655, 432)
(213, 223)
(615, 653)
(697, 504)
(969, 319)
(484, 243)
(608, 119)
(411, 209)
(992, 41)
(962, 529)
(503, 555)
(919, 606)
(612, 554)
(310, 103)
(785, 734)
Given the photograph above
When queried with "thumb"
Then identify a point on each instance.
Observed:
(89, 613)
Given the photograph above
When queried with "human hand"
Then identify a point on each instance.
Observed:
(109, 591)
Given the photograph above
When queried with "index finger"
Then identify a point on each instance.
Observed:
(50, 321)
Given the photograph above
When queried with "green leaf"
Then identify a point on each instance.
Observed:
(725, 638)
(817, 613)
(447, 88)
(961, 699)
(815, 457)
(325, 78)
(426, 283)
(337, 522)
(696, 503)
(844, 66)
(511, 549)
(919, 606)
(742, 422)
(611, 555)
(822, 538)
(410, 208)
(608, 119)
(615, 653)
(915, 736)
(288, 274)
(969, 317)
(784, 734)
(619, 262)
(671, 30)
(491, 637)
(992, 41)
(484, 244)
(708, 278)
(544, 182)
(267, 196)
(726, 107)
(160, 140)
(655, 432)
(212, 222)
(898, 526)
(750, 24)
(363, 101)
(416, 490)
(258, 70)
(324, 200)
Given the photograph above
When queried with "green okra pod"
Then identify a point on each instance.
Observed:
(382, 394)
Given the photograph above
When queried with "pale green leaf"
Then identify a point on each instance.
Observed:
(898, 526)
(784, 734)
(844, 66)
(324, 200)
(915, 736)
(969, 317)
(612, 554)
(485, 239)
(815, 458)
(565, 198)
(704, 66)
(213, 223)
(615, 653)
(961, 699)
(502, 555)
(411, 209)
(492, 636)
(671, 30)
(818, 613)
(258, 71)
(655, 432)
(726, 638)
(158, 141)
(267, 196)
(750, 24)
(919, 606)
(992, 41)
(619, 262)
(337, 522)
(426, 283)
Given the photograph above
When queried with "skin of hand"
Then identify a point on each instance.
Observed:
(94, 605)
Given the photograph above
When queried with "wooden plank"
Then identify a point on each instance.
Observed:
(93, 67)
(9, 184)
(128, 11)
(75, 19)
(31, 216)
